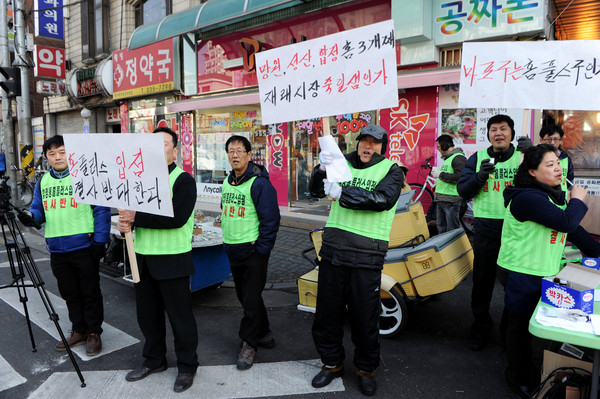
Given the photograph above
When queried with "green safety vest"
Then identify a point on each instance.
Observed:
(529, 247)
(564, 164)
(166, 241)
(370, 224)
(442, 187)
(489, 202)
(64, 216)
(239, 219)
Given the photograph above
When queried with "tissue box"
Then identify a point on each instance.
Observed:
(592, 263)
(577, 294)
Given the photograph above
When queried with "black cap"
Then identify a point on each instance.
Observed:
(375, 131)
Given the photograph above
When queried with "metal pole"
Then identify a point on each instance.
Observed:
(8, 129)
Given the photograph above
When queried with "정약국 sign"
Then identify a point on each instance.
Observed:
(126, 171)
(349, 71)
(561, 74)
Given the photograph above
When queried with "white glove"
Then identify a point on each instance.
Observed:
(326, 159)
(435, 171)
(332, 189)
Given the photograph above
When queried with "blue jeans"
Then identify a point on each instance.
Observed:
(447, 215)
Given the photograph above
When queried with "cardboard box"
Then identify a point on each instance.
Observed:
(592, 263)
(552, 361)
(579, 291)
(307, 288)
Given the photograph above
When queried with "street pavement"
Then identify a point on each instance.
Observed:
(430, 359)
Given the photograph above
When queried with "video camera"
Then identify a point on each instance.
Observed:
(5, 205)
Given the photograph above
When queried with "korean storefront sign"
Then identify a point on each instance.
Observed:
(543, 74)
(350, 71)
(51, 88)
(86, 82)
(148, 70)
(49, 19)
(119, 170)
(49, 62)
(459, 21)
(278, 161)
(113, 115)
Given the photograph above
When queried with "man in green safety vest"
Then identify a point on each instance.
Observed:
(163, 247)
(447, 200)
(355, 242)
(76, 235)
(250, 222)
(485, 176)
(553, 134)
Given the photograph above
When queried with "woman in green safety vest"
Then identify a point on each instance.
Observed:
(537, 223)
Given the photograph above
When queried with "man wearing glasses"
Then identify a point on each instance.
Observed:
(250, 221)
(553, 134)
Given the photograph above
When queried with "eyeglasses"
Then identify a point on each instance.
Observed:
(552, 140)
(238, 153)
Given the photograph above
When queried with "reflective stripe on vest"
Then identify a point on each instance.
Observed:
(442, 187)
(166, 241)
(489, 202)
(239, 218)
(365, 223)
(64, 216)
(529, 247)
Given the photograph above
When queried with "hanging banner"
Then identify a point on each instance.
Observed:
(49, 19)
(278, 161)
(126, 171)
(544, 74)
(350, 71)
(187, 143)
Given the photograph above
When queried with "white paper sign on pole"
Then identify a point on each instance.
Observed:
(120, 170)
(561, 74)
(350, 71)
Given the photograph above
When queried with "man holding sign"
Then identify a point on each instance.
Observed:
(164, 256)
(355, 243)
(76, 235)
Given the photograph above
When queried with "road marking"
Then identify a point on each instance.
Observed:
(8, 376)
(6, 264)
(215, 382)
(113, 339)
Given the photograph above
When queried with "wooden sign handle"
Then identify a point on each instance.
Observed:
(135, 273)
(326, 127)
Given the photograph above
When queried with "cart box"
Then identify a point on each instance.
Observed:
(395, 267)
(409, 221)
(578, 293)
(307, 288)
(440, 263)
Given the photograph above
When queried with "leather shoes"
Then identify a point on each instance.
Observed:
(368, 386)
(326, 375)
(75, 339)
(143, 372)
(183, 381)
(94, 345)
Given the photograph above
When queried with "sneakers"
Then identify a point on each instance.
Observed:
(94, 345)
(75, 339)
(267, 341)
(246, 357)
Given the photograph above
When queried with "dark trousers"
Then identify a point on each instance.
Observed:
(485, 251)
(250, 277)
(521, 297)
(359, 290)
(447, 215)
(78, 278)
(153, 298)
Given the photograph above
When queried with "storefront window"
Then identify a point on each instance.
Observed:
(148, 114)
(304, 146)
(212, 131)
(582, 138)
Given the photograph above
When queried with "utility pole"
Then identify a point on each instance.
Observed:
(8, 132)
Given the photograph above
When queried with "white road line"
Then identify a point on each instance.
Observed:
(8, 376)
(215, 382)
(7, 263)
(113, 339)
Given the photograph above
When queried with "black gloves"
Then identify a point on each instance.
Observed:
(98, 251)
(524, 143)
(484, 170)
(26, 218)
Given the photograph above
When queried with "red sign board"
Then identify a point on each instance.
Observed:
(147, 70)
(49, 62)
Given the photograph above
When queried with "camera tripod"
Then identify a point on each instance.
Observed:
(20, 260)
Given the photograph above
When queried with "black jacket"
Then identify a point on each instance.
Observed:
(469, 186)
(164, 267)
(342, 247)
(264, 198)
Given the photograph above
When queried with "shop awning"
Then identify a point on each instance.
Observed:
(209, 15)
(428, 77)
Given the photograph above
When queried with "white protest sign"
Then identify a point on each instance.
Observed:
(544, 74)
(350, 71)
(120, 170)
